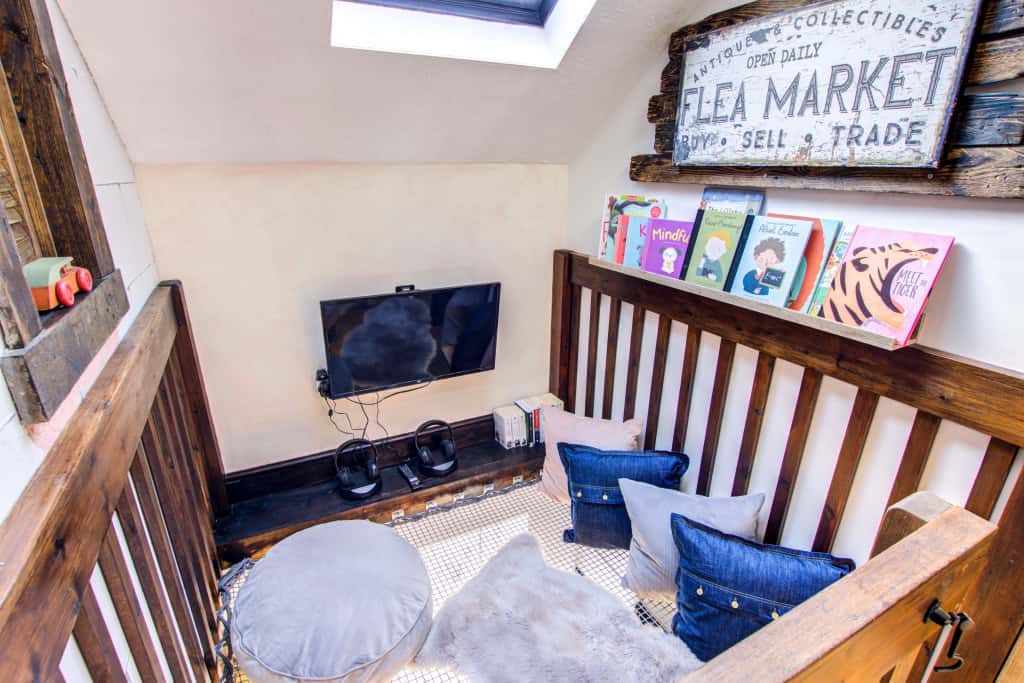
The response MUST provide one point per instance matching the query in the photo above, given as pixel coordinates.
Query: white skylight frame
(386, 29)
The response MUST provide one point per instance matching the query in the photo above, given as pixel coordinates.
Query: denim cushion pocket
(599, 517)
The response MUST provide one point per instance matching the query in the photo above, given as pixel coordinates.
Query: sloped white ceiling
(204, 81)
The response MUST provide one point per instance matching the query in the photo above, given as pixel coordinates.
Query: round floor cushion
(345, 601)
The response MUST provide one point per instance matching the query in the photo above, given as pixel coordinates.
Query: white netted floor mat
(456, 543)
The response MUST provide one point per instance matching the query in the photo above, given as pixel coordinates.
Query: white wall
(258, 247)
(970, 313)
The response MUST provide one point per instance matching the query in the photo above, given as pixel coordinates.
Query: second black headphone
(446, 461)
(357, 483)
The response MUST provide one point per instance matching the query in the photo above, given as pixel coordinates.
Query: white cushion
(653, 556)
(558, 426)
(344, 601)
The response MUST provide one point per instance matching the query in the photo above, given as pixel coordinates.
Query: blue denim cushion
(599, 516)
(729, 587)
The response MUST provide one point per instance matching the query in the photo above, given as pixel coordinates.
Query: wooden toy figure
(54, 281)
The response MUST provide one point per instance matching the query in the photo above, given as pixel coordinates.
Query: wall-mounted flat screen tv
(394, 340)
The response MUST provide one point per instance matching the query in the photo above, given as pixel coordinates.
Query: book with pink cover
(883, 282)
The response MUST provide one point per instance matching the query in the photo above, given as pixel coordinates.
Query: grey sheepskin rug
(520, 621)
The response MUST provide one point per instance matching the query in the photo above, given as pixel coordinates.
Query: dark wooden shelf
(255, 524)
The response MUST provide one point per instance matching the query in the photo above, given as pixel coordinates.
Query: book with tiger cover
(769, 263)
(815, 256)
(883, 282)
(631, 238)
(628, 205)
(666, 247)
(829, 272)
(718, 239)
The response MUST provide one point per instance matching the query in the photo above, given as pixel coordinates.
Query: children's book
(831, 267)
(718, 240)
(606, 217)
(666, 248)
(883, 282)
(629, 205)
(631, 238)
(732, 199)
(819, 246)
(769, 262)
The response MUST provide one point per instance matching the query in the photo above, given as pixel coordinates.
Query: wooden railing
(141, 445)
(938, 386)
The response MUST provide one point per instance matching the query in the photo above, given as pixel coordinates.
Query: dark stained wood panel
(967, 171)
(40, 92)
(856, 436)
(610, 357)
(561, 316)
(946, 386)
(657, 380)
(752, 428)
(19, 321)
(915, 457)
(803, 413)
(636, 342)
(686, 387)
(716, 412)
(995, 467)
(95, 643)
(592, 339)
(148, 571)
(1003, 16)
(129, 609)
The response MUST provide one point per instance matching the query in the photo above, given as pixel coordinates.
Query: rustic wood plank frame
(54, 197)
(940, 386)
(984, 156)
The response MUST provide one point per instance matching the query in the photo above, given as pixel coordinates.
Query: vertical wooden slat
(574, 348)
(686, 387)
(146, 567)
(129, 609)
(995, 467)
(19, 321)
(800, 427)
(595, 322)
(181, 588)
(857, 428)
(561, 315)
(657, 379)
(610, 356)
(167, 502)
(94, 641)
(187, 355)
(719, 393)
(997, 601)
(915, 457)
(752, 428)
(636, 343)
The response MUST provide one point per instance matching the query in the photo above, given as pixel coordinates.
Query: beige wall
(258, 247)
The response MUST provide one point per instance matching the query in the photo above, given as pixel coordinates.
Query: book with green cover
(721, 236)
(830, 269)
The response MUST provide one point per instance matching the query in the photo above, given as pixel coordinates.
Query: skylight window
(534, 33)
(529, 12)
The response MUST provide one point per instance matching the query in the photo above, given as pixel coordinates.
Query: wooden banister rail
(858, 627)
(52, 538)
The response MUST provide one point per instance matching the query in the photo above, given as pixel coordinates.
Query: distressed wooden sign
(846, 83)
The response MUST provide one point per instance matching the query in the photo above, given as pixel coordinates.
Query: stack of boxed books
(518, 424)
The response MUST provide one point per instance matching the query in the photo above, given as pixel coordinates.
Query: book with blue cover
(634, 229)
(770, 259)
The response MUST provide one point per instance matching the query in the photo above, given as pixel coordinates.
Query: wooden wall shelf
(877, 340)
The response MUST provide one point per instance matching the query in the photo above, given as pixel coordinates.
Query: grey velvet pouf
(344, 601)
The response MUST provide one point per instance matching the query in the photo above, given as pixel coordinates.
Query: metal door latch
(955, 623)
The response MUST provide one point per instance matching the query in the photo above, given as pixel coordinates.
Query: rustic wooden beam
(51, 539)
(41, 375)
(968, 172)
(36, 76)
(942, 384)
(19, 321)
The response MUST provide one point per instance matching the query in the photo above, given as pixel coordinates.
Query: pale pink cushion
(559, 426)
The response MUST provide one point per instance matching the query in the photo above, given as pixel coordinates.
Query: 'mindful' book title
(667, 246)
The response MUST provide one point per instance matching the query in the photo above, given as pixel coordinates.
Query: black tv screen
(393, 340)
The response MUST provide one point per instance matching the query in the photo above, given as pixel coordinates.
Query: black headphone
(351, 485)
(425, 456)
